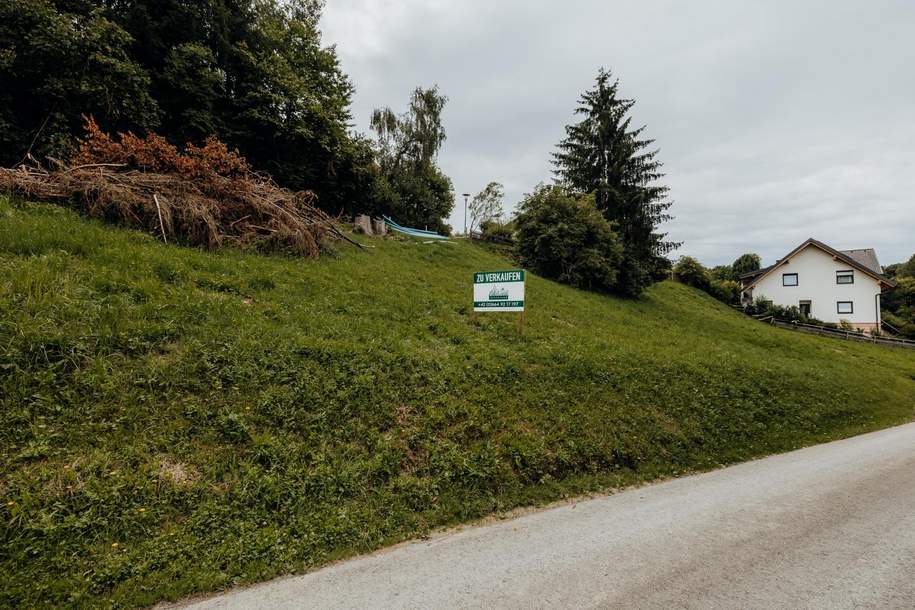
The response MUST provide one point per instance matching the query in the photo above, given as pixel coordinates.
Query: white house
(827, 284)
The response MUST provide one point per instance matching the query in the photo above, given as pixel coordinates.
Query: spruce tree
(604, 155)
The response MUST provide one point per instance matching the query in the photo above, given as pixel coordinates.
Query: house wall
(816, 272)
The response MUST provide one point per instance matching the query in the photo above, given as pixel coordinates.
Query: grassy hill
(175, 421)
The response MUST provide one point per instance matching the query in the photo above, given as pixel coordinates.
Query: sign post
(500, 291)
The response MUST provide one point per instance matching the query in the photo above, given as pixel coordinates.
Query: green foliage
(486, 206)
(498, 231)
(56, 66)
(792, 313)
(252, 72)
(726, 291)
(423, 198)
(564, 237)
(175, 421)
(419, 194)
(899, 304)
(690, 271)
(716, 282)
(722, 272)
(745, 264)
(904, 325)
(414, 137)
(907, 269)
(604, 155)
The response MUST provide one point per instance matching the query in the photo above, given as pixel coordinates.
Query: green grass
(223, 418)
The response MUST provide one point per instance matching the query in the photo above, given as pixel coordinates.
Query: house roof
(863, 259)
(752, 274)
(866, 257)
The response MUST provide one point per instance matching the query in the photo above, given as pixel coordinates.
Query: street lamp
(466, 195)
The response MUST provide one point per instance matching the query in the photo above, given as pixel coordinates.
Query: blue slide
(412, 232)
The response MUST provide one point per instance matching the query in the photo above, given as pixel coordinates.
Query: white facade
(810, 279)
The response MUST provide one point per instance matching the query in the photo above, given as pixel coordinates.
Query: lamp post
(466, 195)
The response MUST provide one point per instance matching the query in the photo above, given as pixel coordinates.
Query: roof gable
(864, 260)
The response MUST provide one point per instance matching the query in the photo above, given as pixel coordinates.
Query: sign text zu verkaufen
(498, 290)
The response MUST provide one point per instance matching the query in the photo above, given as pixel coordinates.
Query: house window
(789, 279)
(805, 307)
(845, 277)
(845, 307)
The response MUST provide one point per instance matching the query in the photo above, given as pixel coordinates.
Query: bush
(905, 327)
(497, 231)
(717, 282)
(726, 291)
(722, 272)
(899, 304)
(564, 237)
(763, 307)
(690, 271)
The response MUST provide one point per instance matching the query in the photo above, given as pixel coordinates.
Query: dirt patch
(176, 472)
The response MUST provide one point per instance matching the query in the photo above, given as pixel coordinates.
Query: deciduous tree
(407, 150)
(745, 264)
(486, 205)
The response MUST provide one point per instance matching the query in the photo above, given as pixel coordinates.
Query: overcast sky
(776, 120)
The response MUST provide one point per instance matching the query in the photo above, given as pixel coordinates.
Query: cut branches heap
(204, 196)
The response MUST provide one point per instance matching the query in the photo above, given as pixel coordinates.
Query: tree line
(256, 74)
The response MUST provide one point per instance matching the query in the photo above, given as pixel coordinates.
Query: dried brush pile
(205, 196)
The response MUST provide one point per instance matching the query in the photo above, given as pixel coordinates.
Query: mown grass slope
(175, 421)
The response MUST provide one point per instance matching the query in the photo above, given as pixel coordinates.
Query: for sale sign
(498, 290)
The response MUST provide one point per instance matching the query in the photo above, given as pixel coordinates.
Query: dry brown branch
(205, 196)
(161, 224)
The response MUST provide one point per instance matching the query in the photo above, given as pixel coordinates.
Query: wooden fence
(836, 333)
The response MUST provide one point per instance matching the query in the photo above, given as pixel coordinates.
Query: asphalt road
(831, 526)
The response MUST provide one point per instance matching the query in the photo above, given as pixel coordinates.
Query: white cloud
(776, 121)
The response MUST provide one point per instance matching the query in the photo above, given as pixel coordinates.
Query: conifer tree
(604, 155)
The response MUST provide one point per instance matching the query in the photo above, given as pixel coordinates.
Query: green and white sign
(498, 290)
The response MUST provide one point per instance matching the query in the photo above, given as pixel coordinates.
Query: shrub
(763, 307)
(497, 231)
(905, 327)
(564, 237)
(722, 272)
(717, 282)
(899, 304)
(690, 271)
(726, 291)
